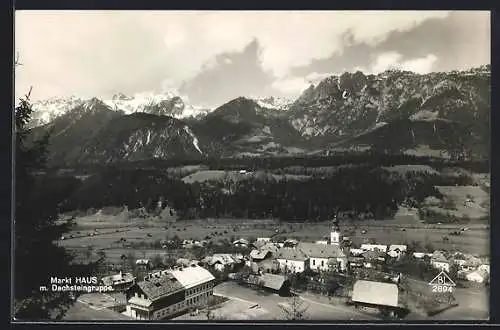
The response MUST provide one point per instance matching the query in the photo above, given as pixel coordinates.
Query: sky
(213, 57)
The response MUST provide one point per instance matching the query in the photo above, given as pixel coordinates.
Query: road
(270, 302)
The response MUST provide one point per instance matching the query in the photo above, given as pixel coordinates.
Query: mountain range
(435, 114)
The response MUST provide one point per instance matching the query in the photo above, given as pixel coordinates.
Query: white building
(169, 292)
(322, 257)
(374, 247)
(478, 276)
(321, 242)
(397, 251)
(292, 260)
(356, 252)
(439, 261)
(484, 267)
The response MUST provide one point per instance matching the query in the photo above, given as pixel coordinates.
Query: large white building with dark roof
(169, 292)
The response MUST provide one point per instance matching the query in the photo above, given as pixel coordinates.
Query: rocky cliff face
(343, 106)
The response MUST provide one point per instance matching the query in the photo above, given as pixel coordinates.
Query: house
(478, 276)
(290, 243)
(121, 281)
(145, 263)
(185, 262)
(484, 267)
(440, 261)
(241, 242)
(396, 251)
(376, 295)
(271, 283)
(264, 239)
(419, 255)
(321, 242)
(356, 252)
(292, 259)
(222, 261)
(372, 258)
(322, 257)
(259, 255)
(374, 247)
(355, 261)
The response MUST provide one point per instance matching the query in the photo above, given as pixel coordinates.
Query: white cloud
(315, 77)
(386, 61)
(92, 52)
(393, 60)
(291, 86)
(420, 65)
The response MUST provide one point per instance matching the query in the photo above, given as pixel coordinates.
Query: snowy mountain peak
(274, 103)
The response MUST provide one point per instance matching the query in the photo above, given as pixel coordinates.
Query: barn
(380, 296)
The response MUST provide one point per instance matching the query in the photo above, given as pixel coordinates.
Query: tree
(37, 257)
(296, 310)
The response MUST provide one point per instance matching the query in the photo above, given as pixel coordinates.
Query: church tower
(335, 237)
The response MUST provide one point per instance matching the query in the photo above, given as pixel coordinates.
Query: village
(268, 278)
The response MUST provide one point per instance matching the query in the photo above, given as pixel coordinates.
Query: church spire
(335, 233)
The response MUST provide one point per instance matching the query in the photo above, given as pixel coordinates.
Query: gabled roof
(192, 276)
(118, 279)
(240, 241)
(291, 254)
(371, 255)
(394, 247)
(157, 287)
(375, 293)
(439, 256)
(314, 250)
(273, 281)
(259, 254)
(222, 258)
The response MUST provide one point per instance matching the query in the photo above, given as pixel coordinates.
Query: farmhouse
(478, 276)
(372, 258)
(376, 295)
(322, 257)
(356, 252)
(221, 261)
(241, 242)
(168, 292)
(484, 267)
(374, 247)
(259, 255)
(143, 263)
(292, 259)
(290, 243)
(272, 283)
(119, 281)
(440, 261)
(397, 251)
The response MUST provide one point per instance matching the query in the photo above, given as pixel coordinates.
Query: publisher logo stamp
(442, 283)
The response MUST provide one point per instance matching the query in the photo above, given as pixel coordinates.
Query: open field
(402, 230)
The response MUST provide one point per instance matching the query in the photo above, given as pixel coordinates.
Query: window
(314, 262)
(322, 263)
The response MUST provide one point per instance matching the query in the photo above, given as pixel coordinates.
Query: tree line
(362, 192)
